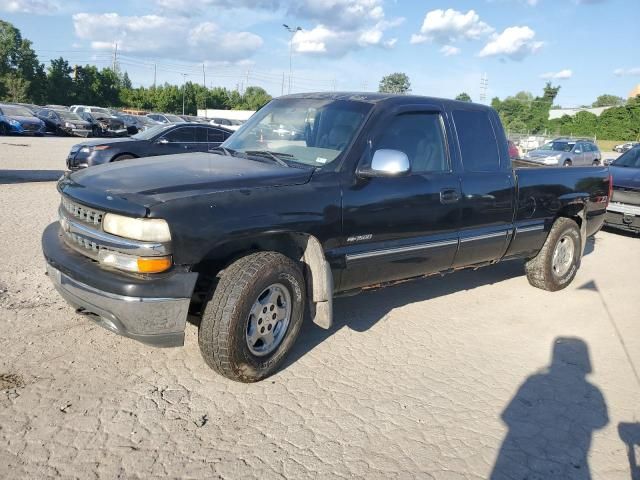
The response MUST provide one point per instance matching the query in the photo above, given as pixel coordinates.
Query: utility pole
(154, 75)
(282, 91)
(247, 79)
(484, 84)
(115, 57)
(204, 84)
(292, 31)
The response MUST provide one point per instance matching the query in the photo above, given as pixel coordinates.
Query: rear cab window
(477, 140)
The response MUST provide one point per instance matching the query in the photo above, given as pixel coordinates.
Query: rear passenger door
(487, 199)
(578, 155)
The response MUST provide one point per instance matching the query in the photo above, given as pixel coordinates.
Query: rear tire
(567, 163)
(596, 163)
(558, 260)
(229, 335)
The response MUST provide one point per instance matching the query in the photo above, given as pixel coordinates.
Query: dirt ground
(469, 376)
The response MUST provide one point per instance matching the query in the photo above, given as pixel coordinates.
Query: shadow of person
(551, 419)
(630, 435)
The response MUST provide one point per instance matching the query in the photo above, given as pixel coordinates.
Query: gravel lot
(447, 378)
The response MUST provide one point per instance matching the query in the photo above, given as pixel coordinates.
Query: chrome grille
(85, 214)
(83, 244)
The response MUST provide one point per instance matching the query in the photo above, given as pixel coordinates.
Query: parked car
(383, 188)
(104, 124)
(227, 123)
(514, 153)
(141, 122)
(624, 147)
(64, 122)
(623, 212)
(566, 153)
(29, 106)
(18, 120)
(158, 140)
(165, 118)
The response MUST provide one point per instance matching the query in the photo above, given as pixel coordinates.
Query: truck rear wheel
(558, 261)
(254, 316)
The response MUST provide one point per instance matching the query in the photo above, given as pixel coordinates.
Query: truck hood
(143, 182)
(625, 177)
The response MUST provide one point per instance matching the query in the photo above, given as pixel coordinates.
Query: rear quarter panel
(545, 193)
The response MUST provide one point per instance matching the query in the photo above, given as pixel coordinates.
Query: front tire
(254, 317)
(558, 260)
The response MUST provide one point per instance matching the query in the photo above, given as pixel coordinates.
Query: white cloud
(449, 50)
(449, 26)
(514, 42)
(37, 7)
(623, 72)
(561, 75)
(168, 37)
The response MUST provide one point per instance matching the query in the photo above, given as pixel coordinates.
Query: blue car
(16, 119)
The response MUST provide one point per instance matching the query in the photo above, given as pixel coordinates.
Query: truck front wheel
(558, 261)
(254, 316)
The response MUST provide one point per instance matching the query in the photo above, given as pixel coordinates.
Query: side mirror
(162, 141)
(387, 163)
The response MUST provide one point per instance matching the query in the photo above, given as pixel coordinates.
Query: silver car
(566, 153)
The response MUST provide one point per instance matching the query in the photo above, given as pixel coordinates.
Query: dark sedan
(64, 122)
(16, 119)
(157, 140)
(104, 124)
(623, 211)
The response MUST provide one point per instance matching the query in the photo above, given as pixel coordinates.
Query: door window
(420, 136)
(181, 135)
(201, 135)
(477, 140)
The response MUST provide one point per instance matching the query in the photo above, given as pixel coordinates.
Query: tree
(463, 97)
(395, 83)
(60, 87)
(607, 100)
(16, 88)
(255, 98)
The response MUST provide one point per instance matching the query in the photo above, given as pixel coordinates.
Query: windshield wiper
(227, 151)
(271, 155)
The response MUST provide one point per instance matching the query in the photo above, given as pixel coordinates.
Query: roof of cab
(375, 97)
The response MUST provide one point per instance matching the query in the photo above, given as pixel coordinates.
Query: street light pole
(293, 31)
(184, 87)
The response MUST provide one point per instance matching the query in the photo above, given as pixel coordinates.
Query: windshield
(15, 111)
(558, 146)
(65, 115)
(151, 132)
(629, 159)
(309, 131)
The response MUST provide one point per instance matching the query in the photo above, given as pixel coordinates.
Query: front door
(178, 140)
(404, 226)
(487, 188)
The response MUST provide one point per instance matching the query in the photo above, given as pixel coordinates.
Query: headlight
(144, 229)
(14, 123)
(69, 125)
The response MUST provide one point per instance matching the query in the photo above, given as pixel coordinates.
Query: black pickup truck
(375, 189)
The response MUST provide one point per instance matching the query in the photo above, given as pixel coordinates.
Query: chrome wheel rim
(563, 256)
(268, 320)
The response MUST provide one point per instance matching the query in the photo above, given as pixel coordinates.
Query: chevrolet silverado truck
(248, 239)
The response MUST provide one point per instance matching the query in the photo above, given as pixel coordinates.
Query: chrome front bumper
(155, 321)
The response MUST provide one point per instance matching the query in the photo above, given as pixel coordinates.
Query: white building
(228, 114)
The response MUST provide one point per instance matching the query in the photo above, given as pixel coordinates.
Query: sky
(588, 47)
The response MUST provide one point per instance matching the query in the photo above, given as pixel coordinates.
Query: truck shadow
(28, 176)
(363, 311)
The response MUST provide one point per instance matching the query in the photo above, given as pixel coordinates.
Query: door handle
(449, 195)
